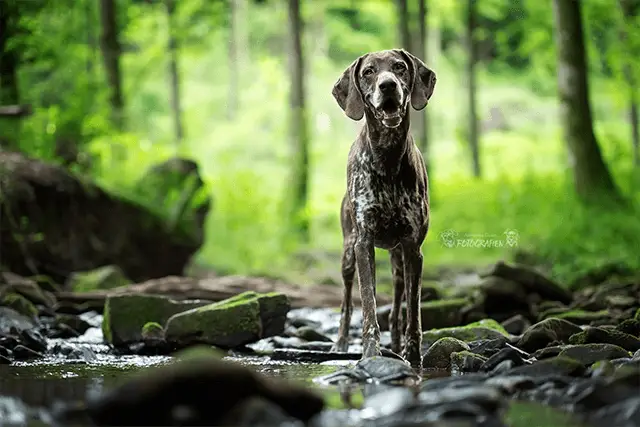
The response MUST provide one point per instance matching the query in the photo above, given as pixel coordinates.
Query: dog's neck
(388, 146)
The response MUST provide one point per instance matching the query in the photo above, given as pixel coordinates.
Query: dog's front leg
(413, 282)
(365, 261)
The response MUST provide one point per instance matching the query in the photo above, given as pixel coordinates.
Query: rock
(435, 314)
(243, 319)
(488, 348)
(106, 277)
(484, 329)
(508, 353)
(310, 334)
(502, 297)
(629, 326)
(587, 354)
(516, 325)
(311, 356)
(152, 331)
(466, 361)
(19, 304)
(581, 317)
(11, 319)
(533, 281)
(438, 356)
(126, 315)
(69, 325)
(28, 288)
(560, 365)
(545, 332)
(206, 388)
(21, 352)
(593, 335)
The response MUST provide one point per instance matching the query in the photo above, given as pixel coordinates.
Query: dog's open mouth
(390, 112)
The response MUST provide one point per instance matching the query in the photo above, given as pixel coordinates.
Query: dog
(386, 204)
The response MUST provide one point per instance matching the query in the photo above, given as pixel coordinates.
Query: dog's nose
(387, 85)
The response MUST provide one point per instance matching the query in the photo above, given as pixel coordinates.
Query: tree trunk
(9, 91)
(174, 76)
(591, 175)
(111, 51)
(403, 24)
(421, 51)
(298, 124)
(630, 10)
(472, 115)
(238, 48)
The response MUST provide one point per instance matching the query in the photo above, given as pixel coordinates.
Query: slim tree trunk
(630, 10)
(238, 48)
(174, 75)
(591, 175)
(403, 24)
(9, 91)
(111, 51)
(421, 51)
(298, 123)
(473, 132)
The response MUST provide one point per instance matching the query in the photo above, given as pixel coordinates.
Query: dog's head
(384, 83)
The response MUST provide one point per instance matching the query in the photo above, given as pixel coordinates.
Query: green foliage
(246, 162)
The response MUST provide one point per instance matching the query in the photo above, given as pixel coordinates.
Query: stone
(560, 365)
(593, 335)
(581, 317)
(483, 329)
(19, 304)
(438, 356)
(236, 321)
(126, 315)
(516, 325)
(545, 332)
(11, 319)
(106, 277)
(466, 361)
(587, 354)
(435, 314)
(152, 331)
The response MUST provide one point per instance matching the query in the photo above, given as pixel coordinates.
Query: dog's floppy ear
(347, 93)
(424, 81)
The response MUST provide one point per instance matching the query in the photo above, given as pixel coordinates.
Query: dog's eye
(367, 71)
(399, 66)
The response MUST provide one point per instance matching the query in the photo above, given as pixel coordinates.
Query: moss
(581, 316)
(605, 336)
(483, 329)
(106, 277)
(438, 356)
(637, 316)
(20, 304)
(197, 352)
(588, 354)
(466, 361)
(152, 330)
(630, 326)
(350, 399)
(442, 313)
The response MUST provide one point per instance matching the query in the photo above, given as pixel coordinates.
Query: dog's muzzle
(388, 100)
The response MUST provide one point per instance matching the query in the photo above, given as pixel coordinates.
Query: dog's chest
(391, 207)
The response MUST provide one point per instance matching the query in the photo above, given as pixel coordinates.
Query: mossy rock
(559, 365)
(592, 335)
(480, 330)
(438, 356)
(126, 315)
(466, 361)
(198, 352)
(582, 317)
(239, 320)
(152, 331)
(588, 354)
(443, 313)
(106, 277)
(543, 333)
(629, 326)
(20, 304)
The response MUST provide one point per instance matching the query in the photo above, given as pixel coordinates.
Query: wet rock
(236, 321)
(438, 356)
(74, 352)
(68, 326)
(502, 297)
(21, 352)
(629, 326)
(593, 335)
(387, 402)
(152, 331)
(202, 390)
(560, 365)
(257, 412)
(588, 354)
(516, 325)
(508, 353)
(547, 352)
(311, 334)
(28, 288)
(19, 303)
(435, 314)
(376, 370)
(106, 277)
(484, 329)
(126, 315)
(533, 281)
(545, 332)
(466, 361)
(488, 348)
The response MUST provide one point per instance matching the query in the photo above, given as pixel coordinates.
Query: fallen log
(54, 223)
(216, 289)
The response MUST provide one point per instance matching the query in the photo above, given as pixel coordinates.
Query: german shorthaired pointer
(386, 204)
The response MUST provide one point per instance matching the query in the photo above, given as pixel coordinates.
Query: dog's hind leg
(395, 317)
(348, 274)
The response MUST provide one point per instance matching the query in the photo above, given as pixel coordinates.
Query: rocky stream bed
(512, 348)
